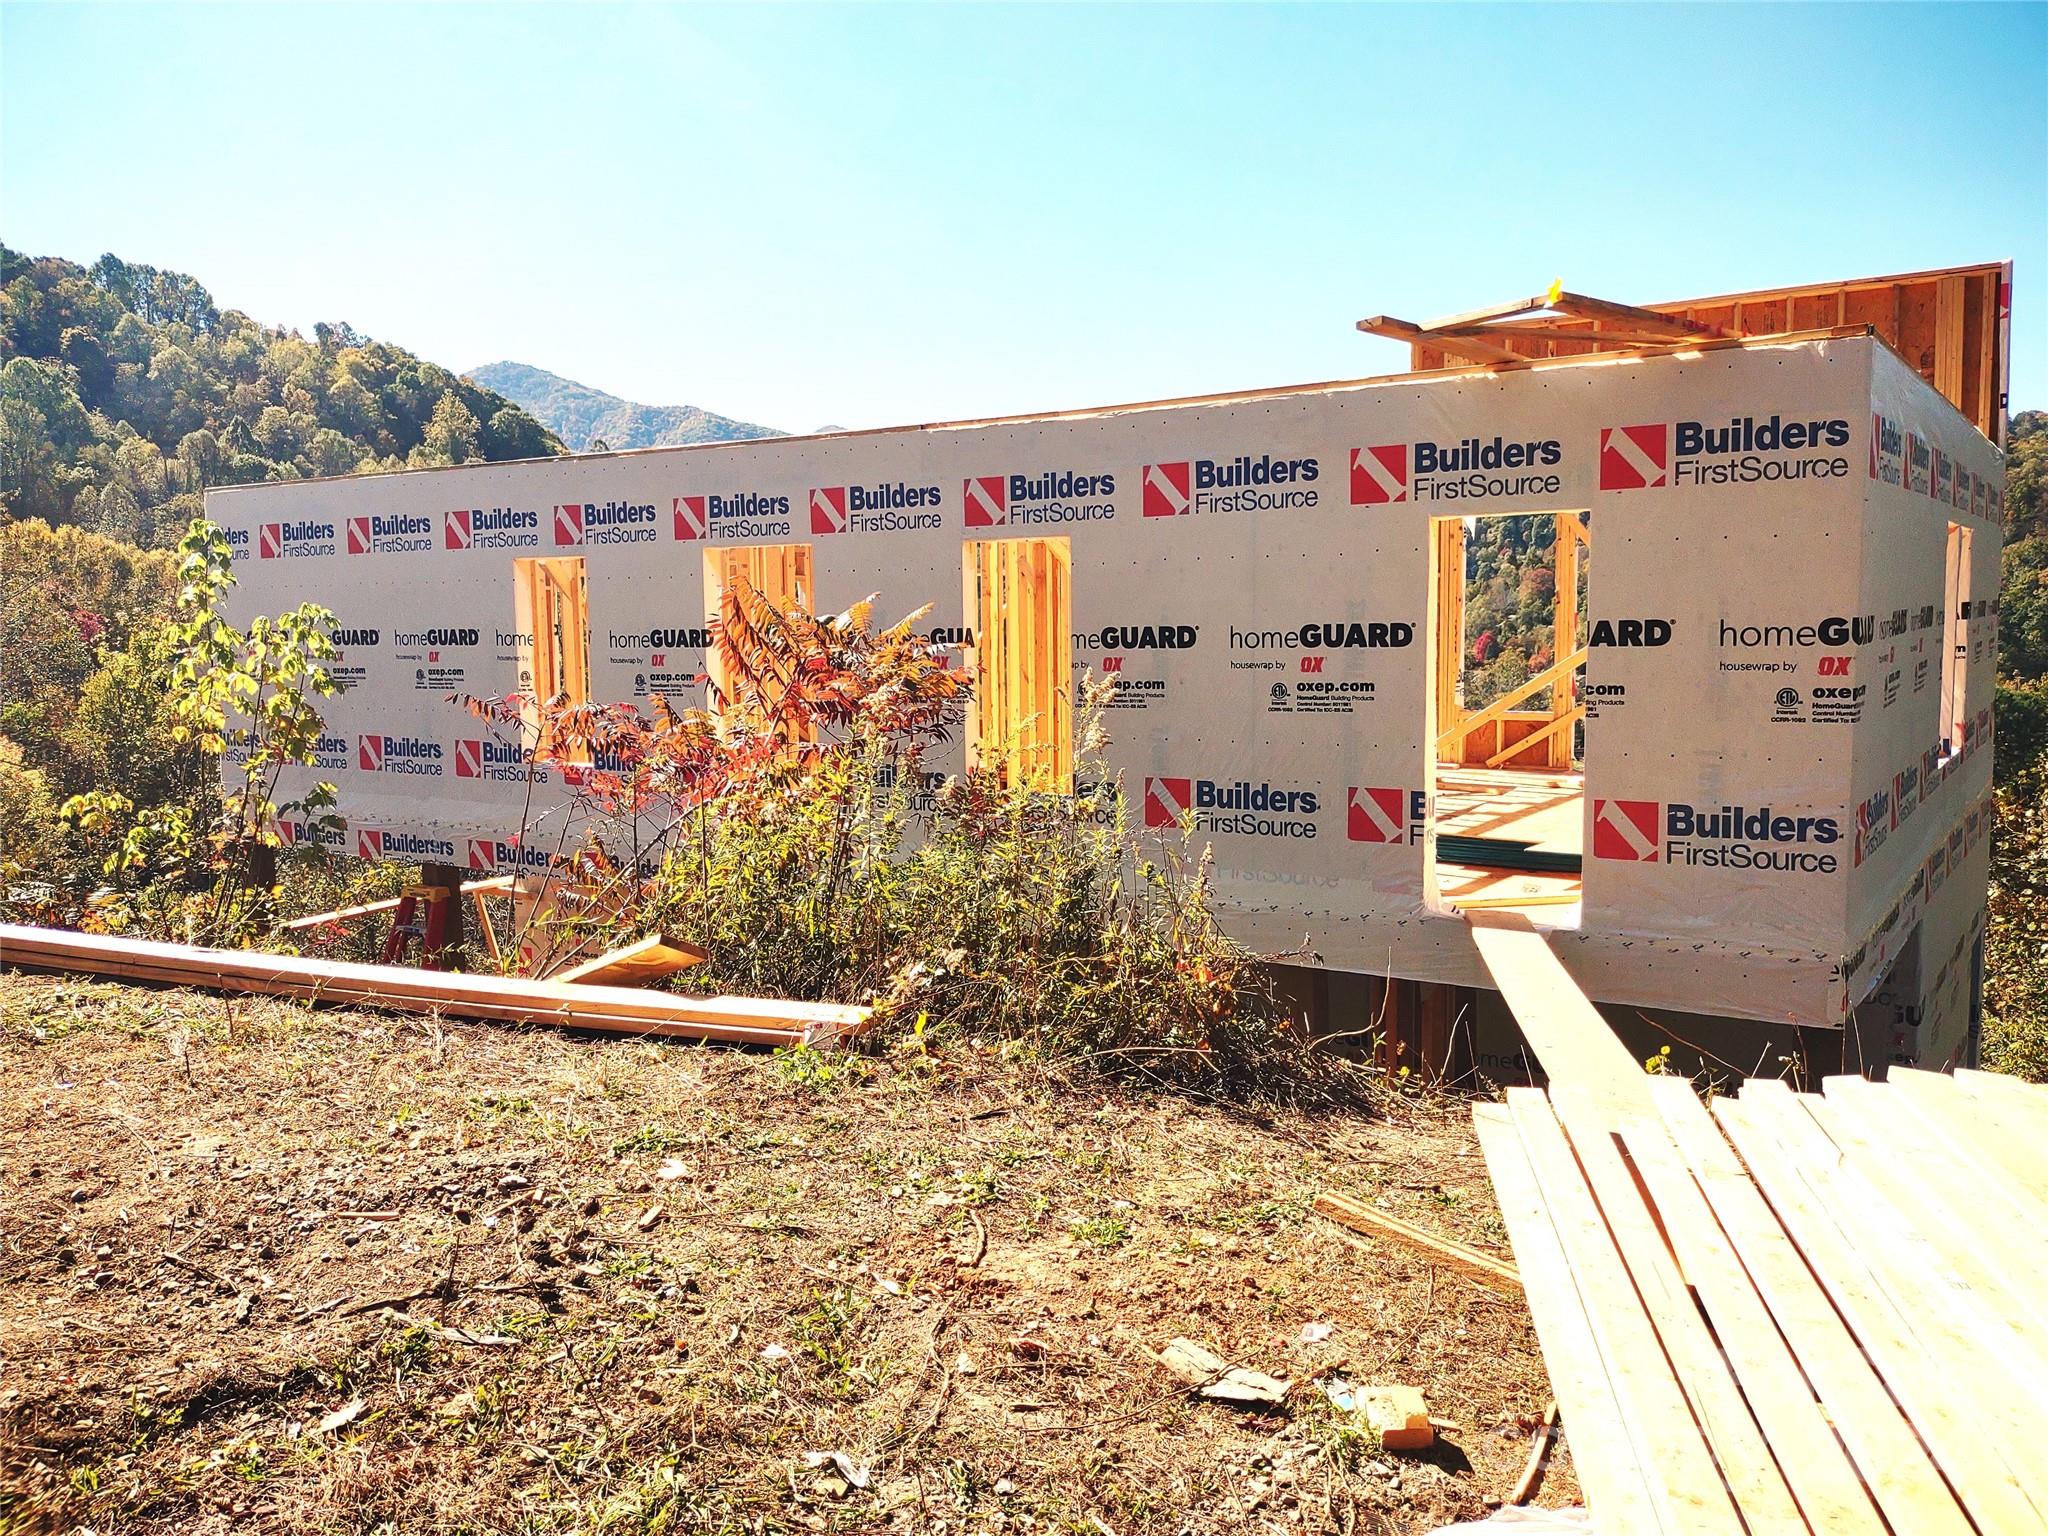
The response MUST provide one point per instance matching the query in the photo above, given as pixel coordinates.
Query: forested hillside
(125, 391)
(587, 418)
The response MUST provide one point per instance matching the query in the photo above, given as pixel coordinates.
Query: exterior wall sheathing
(1255, 572)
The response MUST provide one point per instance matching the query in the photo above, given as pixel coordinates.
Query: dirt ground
(264, 1268)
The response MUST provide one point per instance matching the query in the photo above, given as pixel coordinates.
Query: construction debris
(1213, 1376)
(1482, 1267)
(734, 1020)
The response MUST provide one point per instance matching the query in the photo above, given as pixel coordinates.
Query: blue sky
(858, 216)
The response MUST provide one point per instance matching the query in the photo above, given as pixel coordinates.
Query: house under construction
(1743, 786)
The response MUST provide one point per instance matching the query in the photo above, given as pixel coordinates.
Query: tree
(451, 435)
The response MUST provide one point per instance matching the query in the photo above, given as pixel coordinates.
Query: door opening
(1507, 718)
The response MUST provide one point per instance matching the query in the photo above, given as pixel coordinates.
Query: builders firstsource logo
(401, 534)
(1247, 483)
(489, 854)
(238, 543)
(328, 833)
(1468, 469)
(1240, 808)
(729, 515)
(294, 541)
(490, 528)
(892, 506)
(494, 761)
(1050, 496)
(374, 844)
(1383, 815)
(1714, 837)
(399, 754)
(1887, 450)
(1745, 451)
(581, 523)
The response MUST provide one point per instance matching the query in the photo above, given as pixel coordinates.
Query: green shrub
(801, 844)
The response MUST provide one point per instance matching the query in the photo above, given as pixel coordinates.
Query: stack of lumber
(1784, 1311)
(1791, 1311)
(511, 999)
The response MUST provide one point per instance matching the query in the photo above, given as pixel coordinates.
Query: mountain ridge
(583, 416)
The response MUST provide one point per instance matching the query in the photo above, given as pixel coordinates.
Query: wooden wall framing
(551, 612)
(1020, 595)
(1951, 325)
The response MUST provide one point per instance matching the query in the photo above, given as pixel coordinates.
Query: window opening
(1019, 593)
(551, 599)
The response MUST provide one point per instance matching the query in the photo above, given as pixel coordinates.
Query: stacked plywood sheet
(513, 999)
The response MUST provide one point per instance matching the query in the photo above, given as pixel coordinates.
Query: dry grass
(950, 1269)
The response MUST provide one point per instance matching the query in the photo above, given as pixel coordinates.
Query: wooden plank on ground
(1685, 1484)
(2021, 1109)
(1970, 1445)
(508, 998)
(1703, 1371)
(1483, 1267)
(1887, 1453)
(1943, 1103)
(1831, 1494)
(1608, 1468)
(1572, 1042)
(636, 964)
(1969, 1359)
(1985, 1235)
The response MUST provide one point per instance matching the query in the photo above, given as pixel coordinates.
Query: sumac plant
(795, 834)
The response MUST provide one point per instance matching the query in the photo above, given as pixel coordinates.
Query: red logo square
(469, 759)
(987, 499)
(691, 522)
(1167, 801)
(369, 844)
(1379, 475)
(455, 529)
(1635, 458)
(1375, 815)
(480, 854)
(370, 753)
(359, 535)
(569, 524)
(828, 509)
(270, 541)
(1629, 830)
(1166, 489)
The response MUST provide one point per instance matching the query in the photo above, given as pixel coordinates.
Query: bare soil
(265, 1268)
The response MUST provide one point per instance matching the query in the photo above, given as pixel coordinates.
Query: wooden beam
(1572, 1042)
(512, 999)
(1464, 346)
(636, 964)
(1586, 308)
(1467, 1261)
(1562, 668)
(1491, 314)
(340, 915)
(1566, 330)
(1536, 737)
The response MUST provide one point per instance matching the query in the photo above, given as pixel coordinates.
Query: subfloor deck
(1510, 839)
